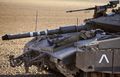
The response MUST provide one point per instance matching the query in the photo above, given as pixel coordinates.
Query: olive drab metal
(89, 50)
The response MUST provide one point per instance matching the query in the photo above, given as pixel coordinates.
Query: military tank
(88, 50)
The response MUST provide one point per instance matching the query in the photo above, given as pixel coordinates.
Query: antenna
(77, 22)
(77, 32)
(36, 21)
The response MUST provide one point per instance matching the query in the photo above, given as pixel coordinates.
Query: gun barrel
(60, 30)
(92, 8)
(22, 35)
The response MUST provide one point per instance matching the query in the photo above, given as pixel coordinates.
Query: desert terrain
(19, 16)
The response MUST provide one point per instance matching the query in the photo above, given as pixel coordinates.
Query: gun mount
(88, 50)
(99, 10)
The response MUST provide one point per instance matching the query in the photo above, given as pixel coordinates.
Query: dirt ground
(18, 16)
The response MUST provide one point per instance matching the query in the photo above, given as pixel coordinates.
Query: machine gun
(99, 10)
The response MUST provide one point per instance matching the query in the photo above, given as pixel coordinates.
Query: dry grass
(19, 16)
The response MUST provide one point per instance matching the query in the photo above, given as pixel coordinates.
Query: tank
(89, 50)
